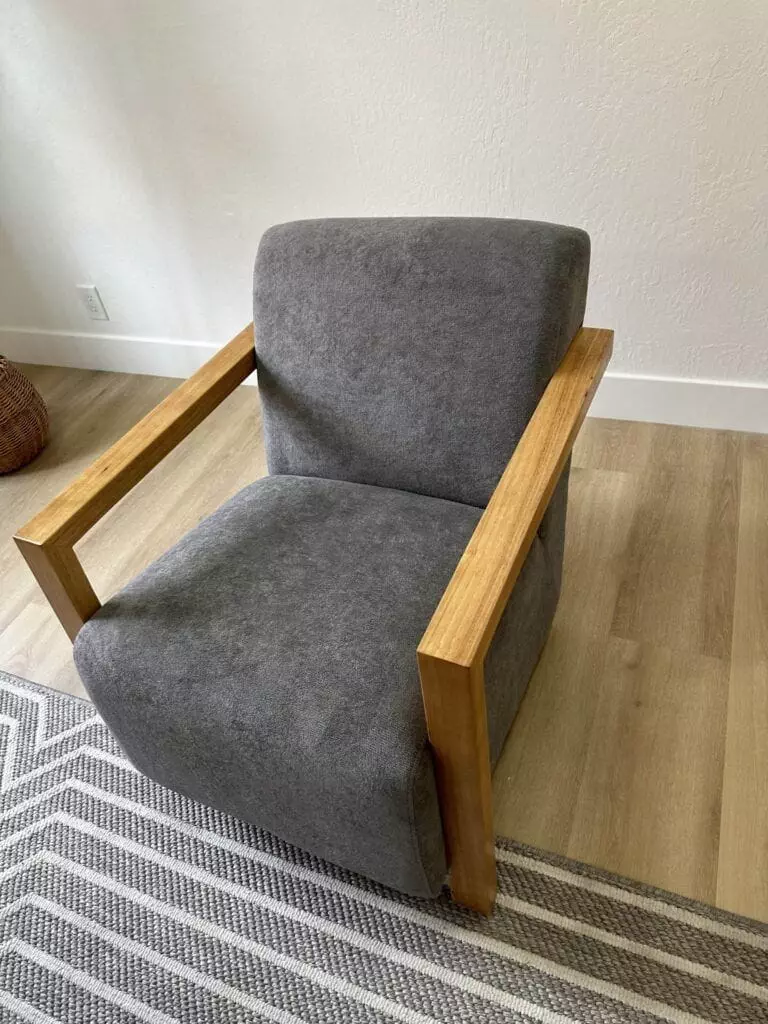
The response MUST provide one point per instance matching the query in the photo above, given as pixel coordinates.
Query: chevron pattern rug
(122, 901)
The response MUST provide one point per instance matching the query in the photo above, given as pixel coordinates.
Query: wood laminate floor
(642, 744)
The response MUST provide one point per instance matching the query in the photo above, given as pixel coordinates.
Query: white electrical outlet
(89, 296)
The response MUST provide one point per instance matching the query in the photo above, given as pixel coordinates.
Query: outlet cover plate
(90, 298)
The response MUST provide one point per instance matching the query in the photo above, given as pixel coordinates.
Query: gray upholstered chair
(422, 382)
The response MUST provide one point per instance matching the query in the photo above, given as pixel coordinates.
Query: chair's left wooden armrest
(47, 541)
(452, 651)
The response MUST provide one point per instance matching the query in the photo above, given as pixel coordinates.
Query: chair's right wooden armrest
(465, 620)
(452, 651)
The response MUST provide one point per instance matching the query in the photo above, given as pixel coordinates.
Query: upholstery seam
(412, 811)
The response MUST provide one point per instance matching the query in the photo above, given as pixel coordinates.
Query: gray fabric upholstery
(266, 666)
(411, 352)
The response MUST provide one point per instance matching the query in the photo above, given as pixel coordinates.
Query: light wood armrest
(465, 620)
(47, 541)
(452, 651)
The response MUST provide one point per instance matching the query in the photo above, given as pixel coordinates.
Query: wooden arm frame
(452, 651)
(47, 541)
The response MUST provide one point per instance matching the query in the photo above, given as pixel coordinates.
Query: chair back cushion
(411, 352)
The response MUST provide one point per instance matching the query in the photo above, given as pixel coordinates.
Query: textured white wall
(147, 144)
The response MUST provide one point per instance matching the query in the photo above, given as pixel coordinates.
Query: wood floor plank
(624, 446)
(649, 799)
(537, 779)
(720, 546)
(743, 877)
(34, 646)
(677, 589)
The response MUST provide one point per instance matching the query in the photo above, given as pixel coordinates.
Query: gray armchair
(422, 381)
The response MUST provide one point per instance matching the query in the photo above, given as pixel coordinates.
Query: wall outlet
(90, 298)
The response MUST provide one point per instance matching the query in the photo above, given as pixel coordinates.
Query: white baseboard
(160, 357)
(688, 402)
(723, 405)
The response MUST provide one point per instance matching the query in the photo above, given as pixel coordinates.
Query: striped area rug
(122, 901)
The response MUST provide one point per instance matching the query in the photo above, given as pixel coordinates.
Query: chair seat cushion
(266, 665)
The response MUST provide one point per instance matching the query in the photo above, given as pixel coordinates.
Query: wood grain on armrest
(47, 540)
(465, 620)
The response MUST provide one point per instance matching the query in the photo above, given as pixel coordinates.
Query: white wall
(146, 144)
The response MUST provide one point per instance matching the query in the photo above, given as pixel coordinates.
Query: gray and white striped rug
(122, 901)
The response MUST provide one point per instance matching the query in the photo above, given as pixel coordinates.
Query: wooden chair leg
(454, 702)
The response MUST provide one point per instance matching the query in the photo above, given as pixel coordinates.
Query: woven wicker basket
(23, 419)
